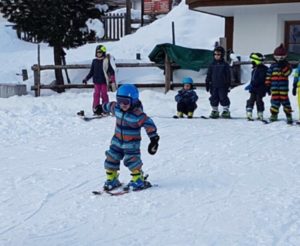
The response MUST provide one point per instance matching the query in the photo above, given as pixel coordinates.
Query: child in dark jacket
(186, 99)
(218, 81)
(126, 141)
(277, 81)
(103, 76)
(257, 86)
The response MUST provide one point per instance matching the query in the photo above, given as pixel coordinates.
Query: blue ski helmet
(129, 91)
(187, 80)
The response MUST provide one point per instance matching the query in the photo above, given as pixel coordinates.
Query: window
(292, 36)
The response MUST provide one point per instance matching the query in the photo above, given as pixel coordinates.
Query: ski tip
(80, 113)
(97, 192)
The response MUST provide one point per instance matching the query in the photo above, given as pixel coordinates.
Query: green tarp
(186, 58)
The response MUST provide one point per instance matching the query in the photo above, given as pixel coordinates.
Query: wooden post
(37, 80)
(223, 43)
(142, 12)
(173, 32)
(37, 75)
(128, 17)
(167, 73)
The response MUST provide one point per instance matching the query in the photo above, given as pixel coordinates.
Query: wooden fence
(38, 86)
(114, 29)
(114, 26)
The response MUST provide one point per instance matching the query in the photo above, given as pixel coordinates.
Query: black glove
(294, 90)
(268, 90)
(153, 145)
(98, 109)
(84, 81)
(207, 86)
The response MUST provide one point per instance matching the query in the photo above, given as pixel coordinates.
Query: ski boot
(179, 115)
(260, 115)
(226, 114)
(138, 181)
(98, 110)
(214, 114)
(190, 115)
(112, 181)
(249, 115)
(289, 119)
(273, 117)
(80, 113)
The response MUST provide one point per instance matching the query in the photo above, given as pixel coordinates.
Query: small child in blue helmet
(186, 99)
(125, 144)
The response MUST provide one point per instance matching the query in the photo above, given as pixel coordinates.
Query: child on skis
(296, 86)
(217, 83)
(186, 99)
(257, 86)
(125, 143)
(103, 76)
(277, 81)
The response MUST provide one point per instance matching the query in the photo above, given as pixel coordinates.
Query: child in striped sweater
(277, 82)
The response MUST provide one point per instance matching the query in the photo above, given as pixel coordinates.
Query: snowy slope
(220, 182)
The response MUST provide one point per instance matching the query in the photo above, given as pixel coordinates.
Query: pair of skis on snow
(82, 115)
(236, 118)
(230, 118)
(249, 119)
(122, 190)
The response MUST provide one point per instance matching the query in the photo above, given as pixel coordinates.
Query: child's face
(187, 86)
(124, 103)
(99, 54)
(124, 107)
(217, 55)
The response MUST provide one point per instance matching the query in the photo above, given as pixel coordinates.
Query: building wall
(260, 30)
(257, 34)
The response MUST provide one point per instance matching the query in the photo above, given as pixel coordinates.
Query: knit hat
(280, 51)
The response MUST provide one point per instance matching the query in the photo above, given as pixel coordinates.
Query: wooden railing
(38, 86)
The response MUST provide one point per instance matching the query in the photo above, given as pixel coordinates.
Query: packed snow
(220, 182)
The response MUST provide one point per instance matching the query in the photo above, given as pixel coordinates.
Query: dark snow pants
(219, 96)
(186, 107)
(258, 99)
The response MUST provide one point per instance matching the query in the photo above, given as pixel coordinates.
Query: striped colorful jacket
(277, 79)
(129, 124)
